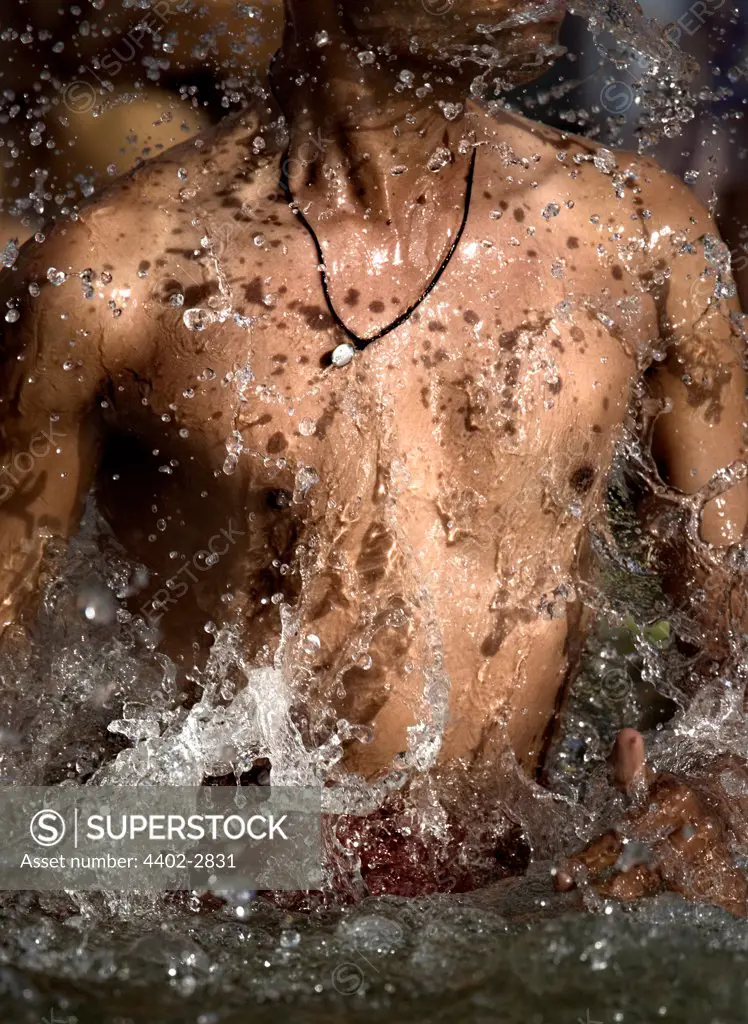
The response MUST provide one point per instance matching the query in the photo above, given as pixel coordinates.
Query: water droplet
(605, 161)
(234, 447)
(56, 277)
(451, 110)
(439, 159)
(306, 478)
(9, 253)
(96, 603)
(197, 319)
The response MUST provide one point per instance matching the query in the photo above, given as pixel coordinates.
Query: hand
(676, 838)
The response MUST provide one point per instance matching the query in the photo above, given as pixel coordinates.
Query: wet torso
(415, 518)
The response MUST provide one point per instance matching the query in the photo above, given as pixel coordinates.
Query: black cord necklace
(343, 354)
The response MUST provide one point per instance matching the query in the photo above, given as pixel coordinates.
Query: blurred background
(89, 89)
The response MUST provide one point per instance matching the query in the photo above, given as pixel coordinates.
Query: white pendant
(343, 354)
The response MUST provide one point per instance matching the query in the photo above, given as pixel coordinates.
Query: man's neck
(363, 129)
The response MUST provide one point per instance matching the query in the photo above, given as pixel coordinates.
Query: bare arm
(689, 827)
(50, 373)
(699, 442)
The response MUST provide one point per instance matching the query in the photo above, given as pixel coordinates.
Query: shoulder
(620, 178)
(669, 206)
(159, 232)
(50, 329)
(690, 263)
(651, 216)
(196, 178)
(102, 283)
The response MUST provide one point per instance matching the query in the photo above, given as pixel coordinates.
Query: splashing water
(96, 692)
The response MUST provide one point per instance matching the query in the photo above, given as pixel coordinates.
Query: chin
(446, 16)
(519, 37)
(527, 10)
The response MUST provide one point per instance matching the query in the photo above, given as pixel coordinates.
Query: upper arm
(702, 378)
(50, 373)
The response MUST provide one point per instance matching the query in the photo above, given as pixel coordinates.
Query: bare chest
(512, 357)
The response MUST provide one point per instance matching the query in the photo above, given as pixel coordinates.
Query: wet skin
(684, 834)
(421, 511)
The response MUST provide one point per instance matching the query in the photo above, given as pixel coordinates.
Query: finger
(628, 760)
(632, 884)
(706, 873)
(621, 879)
(672, 804)
(563, 880)
(598, 857)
